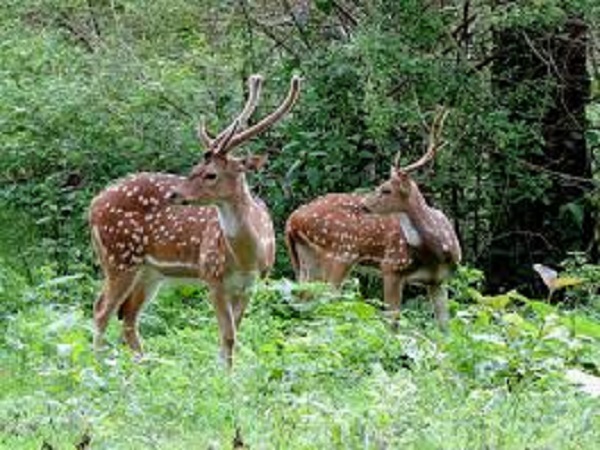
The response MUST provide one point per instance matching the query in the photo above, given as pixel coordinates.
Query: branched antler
(254, 88)
(231, 137)
(434, 144)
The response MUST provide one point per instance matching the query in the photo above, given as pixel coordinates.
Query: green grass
(324, 374)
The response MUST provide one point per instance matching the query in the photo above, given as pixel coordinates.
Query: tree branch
(301, 30)
(65, 22)
(278, 41)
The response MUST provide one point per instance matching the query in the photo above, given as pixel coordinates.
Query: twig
(280, 43)
(562, 175)
(249, 34)
(64, 21)
(298, 25)
(548, 62)
(344, 12)
(465, 24)
(95, 25)
(174, 105)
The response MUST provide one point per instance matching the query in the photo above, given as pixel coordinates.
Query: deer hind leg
(309, 266)
(115, 291)
(129, 311)
(335, 271)
(438, 294)
(393, 289)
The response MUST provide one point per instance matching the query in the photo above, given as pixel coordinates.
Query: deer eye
(385, 191)
(210, 176)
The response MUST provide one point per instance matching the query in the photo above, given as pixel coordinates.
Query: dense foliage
(95, 90)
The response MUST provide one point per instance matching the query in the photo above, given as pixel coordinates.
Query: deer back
(134, 223)
(338, 227)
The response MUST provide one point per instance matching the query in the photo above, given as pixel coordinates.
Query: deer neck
(237, 218)
(419, 224)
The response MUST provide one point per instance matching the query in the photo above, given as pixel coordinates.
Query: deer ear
(254, 162)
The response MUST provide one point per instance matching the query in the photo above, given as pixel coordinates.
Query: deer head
(399, 193)
(220, 177)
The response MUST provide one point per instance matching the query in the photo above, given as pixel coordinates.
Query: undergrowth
(325, 373)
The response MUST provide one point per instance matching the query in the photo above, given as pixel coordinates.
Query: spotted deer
(392, 228)
(152, 227)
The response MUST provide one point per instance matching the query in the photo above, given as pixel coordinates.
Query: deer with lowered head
(208, 226)
(392, 228)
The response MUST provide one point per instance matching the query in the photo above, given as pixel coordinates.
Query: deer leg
(226, 320)
(309, 267)
(114, 293)
(393, 288)
(336, 271)
(438, 294)
(130, 310)
(239, 307)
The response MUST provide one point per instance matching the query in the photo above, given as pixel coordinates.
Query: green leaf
(582, 326)
(542, 309)
(496, 302)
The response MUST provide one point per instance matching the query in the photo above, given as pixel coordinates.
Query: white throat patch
(228, 220)
(410, 232)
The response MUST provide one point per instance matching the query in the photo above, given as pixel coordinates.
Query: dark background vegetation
(92, 90)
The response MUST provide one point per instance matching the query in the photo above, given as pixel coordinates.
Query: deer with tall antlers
(392, 228)
(152, 227)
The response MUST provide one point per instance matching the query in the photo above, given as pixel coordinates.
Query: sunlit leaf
(553, 281)
(541, 308)
(562, 282)
(587, 383)
(496, 302)
(583, 326)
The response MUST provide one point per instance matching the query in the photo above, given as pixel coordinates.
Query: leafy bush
(314, 374)
(12, 288)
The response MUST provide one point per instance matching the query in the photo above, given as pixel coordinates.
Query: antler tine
(266, 122)
(396, 163)
(434, 145)
(254, 88)
(203, 135)
(226, 138)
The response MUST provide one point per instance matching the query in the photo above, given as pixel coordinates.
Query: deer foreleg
(393, 289)
(239, 307)
(309, 267)
(438, 294)
(226, 320)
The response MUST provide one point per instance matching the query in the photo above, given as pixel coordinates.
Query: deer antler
(225, 139)
(254, 88)
(266, 122)
(434, 144)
